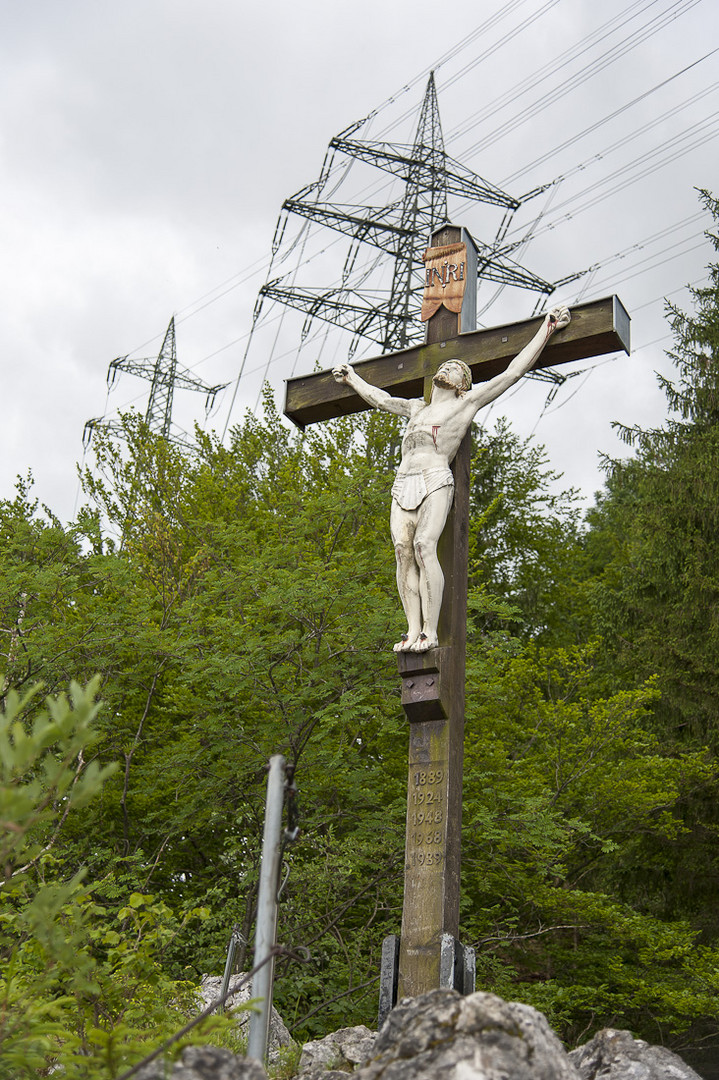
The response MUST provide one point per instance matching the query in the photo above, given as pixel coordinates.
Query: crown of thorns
(466, 373)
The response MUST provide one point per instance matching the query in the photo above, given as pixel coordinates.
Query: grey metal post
(266, 925)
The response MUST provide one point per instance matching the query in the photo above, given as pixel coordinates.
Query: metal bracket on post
(457, 965)
(389, 977)
(424, 695)
(457, 971)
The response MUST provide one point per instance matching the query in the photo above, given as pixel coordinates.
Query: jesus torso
(434, 432)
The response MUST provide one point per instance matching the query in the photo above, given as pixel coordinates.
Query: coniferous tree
(653, 542)
(653, 575)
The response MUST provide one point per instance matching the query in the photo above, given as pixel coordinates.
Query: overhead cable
(518, 119)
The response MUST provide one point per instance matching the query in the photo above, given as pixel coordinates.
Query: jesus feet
(424, 643)
(416, 642)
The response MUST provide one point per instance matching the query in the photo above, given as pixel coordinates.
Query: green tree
(566, 792)
(239, 601)
(263, 609)
(524, 535)
(652, 544)
(651, 567)
(82, 988)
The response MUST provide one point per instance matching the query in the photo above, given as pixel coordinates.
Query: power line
(337, 170)
(606, 120)
(164, 375)
(532, 81)
(463, 43)
(649, 29)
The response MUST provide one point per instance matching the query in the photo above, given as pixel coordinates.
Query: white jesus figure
(424, 487)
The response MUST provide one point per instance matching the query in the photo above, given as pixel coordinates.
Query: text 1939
(426, 858)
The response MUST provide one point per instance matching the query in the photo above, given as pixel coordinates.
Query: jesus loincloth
(409, 490)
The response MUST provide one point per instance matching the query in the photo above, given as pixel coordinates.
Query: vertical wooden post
(436, 736)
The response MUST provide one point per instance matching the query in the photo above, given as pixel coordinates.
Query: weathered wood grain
(599, 327)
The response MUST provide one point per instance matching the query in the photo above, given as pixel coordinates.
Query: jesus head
(454, 375)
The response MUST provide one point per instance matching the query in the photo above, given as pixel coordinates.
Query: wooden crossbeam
(599, 327)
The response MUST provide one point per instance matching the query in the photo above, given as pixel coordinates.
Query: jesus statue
(423, 489)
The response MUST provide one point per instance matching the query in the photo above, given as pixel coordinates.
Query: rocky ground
(443, 1035)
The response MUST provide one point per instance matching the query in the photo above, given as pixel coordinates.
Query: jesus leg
(432, 517)
(402, 526)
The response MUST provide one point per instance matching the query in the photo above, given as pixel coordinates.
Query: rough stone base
(617, 1055)
(204, 1063)
(480, 1037)
(445, 1036)
(337, 1054)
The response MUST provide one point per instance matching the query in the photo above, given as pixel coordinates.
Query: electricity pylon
(165, 376)
(400, 230)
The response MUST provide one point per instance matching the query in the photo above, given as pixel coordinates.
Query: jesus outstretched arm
(373, 395)
(483, 393)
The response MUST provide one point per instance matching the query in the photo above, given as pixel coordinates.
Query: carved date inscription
(426, 817)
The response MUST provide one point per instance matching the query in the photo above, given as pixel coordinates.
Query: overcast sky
(147, 147)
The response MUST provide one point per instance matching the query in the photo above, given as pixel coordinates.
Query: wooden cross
(427, 954)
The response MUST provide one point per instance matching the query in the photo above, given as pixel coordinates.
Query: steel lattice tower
(164, 375)
(423, 207)
(400, 230)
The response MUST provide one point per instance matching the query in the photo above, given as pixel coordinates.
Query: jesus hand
(342, 373)
(558, 318)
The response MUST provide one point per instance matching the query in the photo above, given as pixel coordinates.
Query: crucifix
(432, 386)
